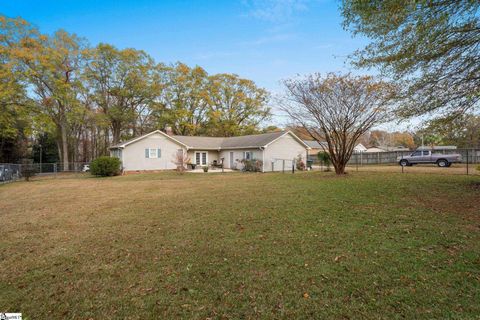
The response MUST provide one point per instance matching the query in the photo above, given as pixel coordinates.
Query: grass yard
(240, 246)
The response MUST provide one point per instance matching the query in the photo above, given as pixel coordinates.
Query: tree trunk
(116, 130)
(339, 167)
(64, 156)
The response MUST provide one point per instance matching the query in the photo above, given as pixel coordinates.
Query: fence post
(283, 168)
(467, 162)
(273, 164)
(293, 166)
(55, 169)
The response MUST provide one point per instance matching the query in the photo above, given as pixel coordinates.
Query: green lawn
(239, 246)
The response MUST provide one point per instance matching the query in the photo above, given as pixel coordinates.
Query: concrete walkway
(210, 170)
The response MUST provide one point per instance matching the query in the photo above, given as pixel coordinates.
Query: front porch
(210, 170)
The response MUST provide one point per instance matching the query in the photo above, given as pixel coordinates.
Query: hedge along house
(158, 151)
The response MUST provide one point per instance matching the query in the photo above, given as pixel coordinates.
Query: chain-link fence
(280, 165)
(10, 172)
(389, 162)
(471, 156)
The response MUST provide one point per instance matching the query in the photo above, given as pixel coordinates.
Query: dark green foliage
(324, 158)
(48, 148)
(105, 166)
(430, 47)
(28, 169)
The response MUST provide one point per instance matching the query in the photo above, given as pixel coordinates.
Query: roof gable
(126, 143)
(218, 143)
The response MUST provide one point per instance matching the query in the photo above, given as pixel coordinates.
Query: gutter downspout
(263, 159)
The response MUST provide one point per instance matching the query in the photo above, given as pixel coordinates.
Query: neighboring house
(374, 150)
(157, 150)
(359, 148)
(387, 149)
(315, 148)
(437, 148)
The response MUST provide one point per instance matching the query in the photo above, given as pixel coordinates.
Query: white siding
(238, 155)
(285, 148)
(133, 156)
(212, 155)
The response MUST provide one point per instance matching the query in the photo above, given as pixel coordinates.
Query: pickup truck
(426, 156)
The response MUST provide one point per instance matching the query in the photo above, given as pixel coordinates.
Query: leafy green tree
(237, 106)
(50, 67)
(462, 131)
(431, 47)
(123, 86)
(14, 103)
(184, 102)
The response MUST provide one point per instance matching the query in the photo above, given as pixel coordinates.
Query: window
(426, 153)
(248, 155)
(201, 158)
(153, 153)
(117, 153)
(417, 154)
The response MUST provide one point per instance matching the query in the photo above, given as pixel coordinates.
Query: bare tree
(337, 109)
(181, 160)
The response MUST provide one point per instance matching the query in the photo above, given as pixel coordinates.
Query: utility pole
(40, 157)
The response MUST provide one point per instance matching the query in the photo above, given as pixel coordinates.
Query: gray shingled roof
(255, 140)
(216, 143)
(200, 142)
(315, 145)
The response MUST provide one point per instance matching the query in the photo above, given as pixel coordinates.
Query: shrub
(205, 169)
(324, 158)
(478, 168)
(299, 163)
(105, 166)
(252, 165)
(27, 169)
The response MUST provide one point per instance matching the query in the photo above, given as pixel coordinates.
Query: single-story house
(436, 148)
(316, 147)
(158, 151)
(375, 150)
(359, 148)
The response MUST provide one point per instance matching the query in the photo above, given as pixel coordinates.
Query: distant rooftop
(437, 148)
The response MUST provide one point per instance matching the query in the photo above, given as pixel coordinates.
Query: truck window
(417, 154)
(426, 153)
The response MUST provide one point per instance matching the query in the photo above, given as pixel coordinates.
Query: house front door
(201, 158)
(231, 160)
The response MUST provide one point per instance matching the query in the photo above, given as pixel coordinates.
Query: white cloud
(275, 10)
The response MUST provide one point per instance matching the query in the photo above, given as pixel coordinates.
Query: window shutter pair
(147, 153)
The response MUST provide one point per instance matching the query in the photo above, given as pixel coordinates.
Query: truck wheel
(404, 163)
(443, 163)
